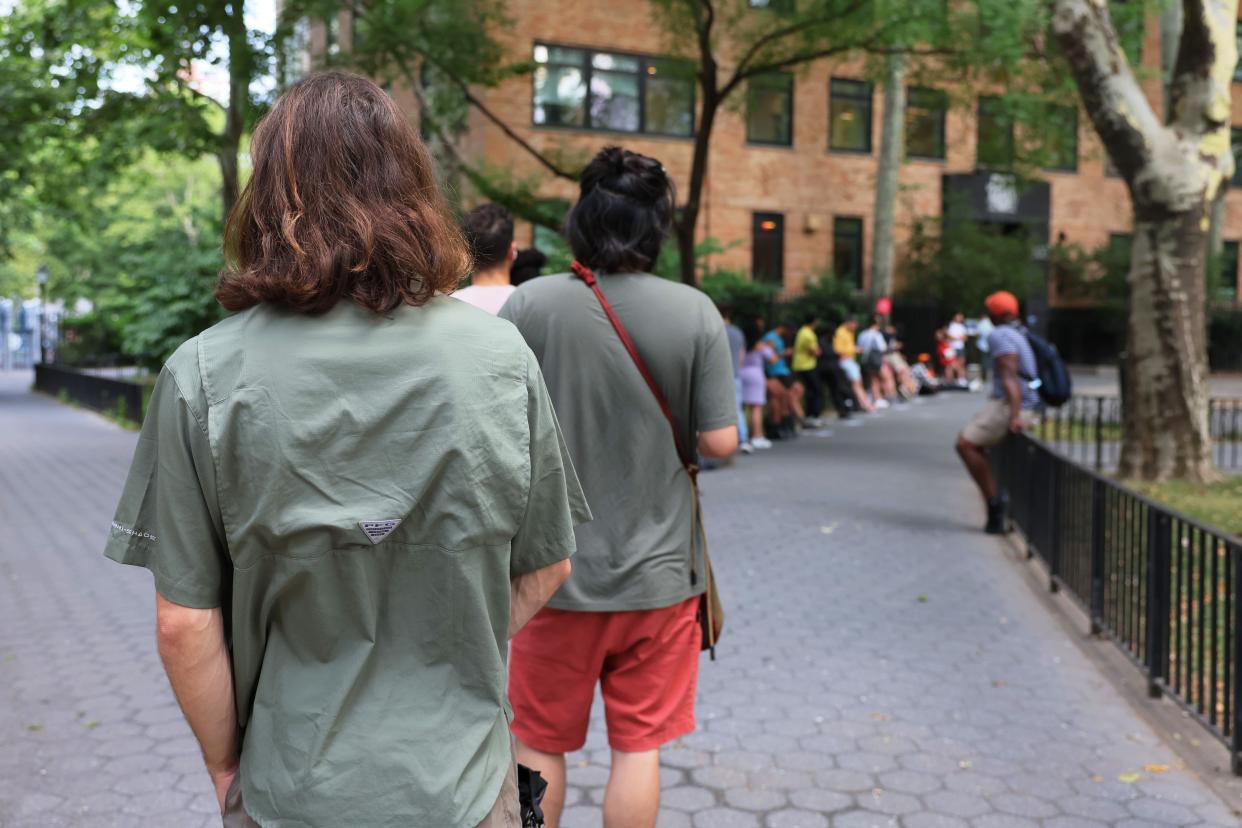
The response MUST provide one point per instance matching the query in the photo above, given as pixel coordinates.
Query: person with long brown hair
(351, 493)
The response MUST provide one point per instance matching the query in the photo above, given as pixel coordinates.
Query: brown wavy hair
(342, 204)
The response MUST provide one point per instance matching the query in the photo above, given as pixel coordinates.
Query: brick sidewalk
(884, 664)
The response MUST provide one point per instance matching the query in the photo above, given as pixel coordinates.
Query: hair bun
(627, 174)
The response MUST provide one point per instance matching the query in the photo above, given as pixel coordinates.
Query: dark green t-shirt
(356, 491)
(636, 553)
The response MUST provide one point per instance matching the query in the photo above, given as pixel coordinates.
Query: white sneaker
(761, 443)
(881, 405)
(746, 448)
(813, 422)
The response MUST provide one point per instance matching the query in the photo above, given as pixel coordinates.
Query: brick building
(791, 177)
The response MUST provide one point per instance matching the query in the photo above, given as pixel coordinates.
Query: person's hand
(223, 780)
(1015, 424)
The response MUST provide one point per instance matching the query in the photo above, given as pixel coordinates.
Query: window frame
(858, 98)
(588, 69)
(1237, 70)
(1230, 287)
(998, 101)
(860, 222)
(1073, 110)
(941, 120)
(1235, 146)
(789, 98)
(756, 219)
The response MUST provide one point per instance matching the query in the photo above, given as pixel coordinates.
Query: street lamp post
(41, 278)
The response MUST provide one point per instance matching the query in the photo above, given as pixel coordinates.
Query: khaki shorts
(991, 424)
(507, 813)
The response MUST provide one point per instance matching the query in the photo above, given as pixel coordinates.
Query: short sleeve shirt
(356, 492)
(843, 343)
(737, 344)
(636, 553)
(780, 368)
(1010, 339)
(805, 344)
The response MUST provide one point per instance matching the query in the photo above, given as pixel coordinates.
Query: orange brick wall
(806, 182)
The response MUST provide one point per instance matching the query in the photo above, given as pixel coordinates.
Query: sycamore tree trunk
(1175, 170)
(892, 149)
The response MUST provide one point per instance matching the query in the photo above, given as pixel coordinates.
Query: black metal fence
(113, 396)
(1088, 430)
(1166, 588)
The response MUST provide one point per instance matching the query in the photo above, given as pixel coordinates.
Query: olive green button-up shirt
(356, 491)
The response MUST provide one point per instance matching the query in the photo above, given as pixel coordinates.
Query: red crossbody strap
(584, 273)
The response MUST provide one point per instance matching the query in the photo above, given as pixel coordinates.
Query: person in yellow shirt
(806, 368)
(846, 349)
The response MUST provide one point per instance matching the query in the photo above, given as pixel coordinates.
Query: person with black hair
(488, 229)
(628, 616)
(527, 264)
(806, 353)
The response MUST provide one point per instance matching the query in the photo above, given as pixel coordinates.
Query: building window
(925, 110)
(769, 109)
(1228, 287)
(849, 115)
(996, 148)
(1061, 138)
(767, 248)
(612, 92)
(847, 251)
(1235, 142)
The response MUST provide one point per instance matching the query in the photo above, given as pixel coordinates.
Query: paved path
(884, 664)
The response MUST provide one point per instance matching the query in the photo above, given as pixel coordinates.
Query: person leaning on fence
(350, 493)
(627, 618)
(1010, 406)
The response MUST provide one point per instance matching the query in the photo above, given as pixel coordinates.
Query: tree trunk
(241, 69)
(687, 222)
(1170, 37)
(1165, 434)
(1175, 168)
(892, 151)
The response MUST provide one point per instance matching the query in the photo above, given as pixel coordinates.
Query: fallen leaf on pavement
(879, 717)
(1155, 768)
(965, 764)
(1129, 778)
(1097, 779)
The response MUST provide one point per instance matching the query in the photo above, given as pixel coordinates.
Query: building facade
(791, 182)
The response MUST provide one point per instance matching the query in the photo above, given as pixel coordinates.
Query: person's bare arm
(1007, 367)
(196, 657)
(719, 443)
(529, 592)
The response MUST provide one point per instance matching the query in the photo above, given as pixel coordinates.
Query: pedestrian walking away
(1010, 407)
(350, 493)
(488, 229)
(627, 619)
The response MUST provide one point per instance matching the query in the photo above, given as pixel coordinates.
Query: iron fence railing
(113, 396)
(1088, 430)
(1165, 587)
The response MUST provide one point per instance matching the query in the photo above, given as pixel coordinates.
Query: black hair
(751, 332)
(526, 266)
(488, 229)
(623, 214)
(810, 318)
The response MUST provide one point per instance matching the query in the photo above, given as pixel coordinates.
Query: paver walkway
(884, 663)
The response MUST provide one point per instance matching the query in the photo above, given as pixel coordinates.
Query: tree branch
(791, 29)
(1116, 104)
(1201, 86)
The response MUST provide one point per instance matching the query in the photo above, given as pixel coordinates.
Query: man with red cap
(1010, 405)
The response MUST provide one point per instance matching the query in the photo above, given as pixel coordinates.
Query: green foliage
(89, 339)
(828, 298)
(959, 262)
(744, 298)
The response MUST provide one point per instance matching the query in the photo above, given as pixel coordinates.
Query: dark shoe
(997, 524)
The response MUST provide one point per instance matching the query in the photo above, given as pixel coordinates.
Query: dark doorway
(767, 258)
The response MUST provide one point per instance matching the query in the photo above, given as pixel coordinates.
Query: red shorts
(646, 661)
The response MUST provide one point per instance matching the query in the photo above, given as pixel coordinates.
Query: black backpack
(1053, 381)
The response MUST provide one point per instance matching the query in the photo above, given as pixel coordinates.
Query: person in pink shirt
(488, 229)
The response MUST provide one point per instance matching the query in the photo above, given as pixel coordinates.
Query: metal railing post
(1097, 556)
(1159, 562)
(1235, 747)
(1054, 525)
(1099, 433)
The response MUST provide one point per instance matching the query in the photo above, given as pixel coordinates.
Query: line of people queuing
(785, 378)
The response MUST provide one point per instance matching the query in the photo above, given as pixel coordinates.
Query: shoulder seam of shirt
(189, 405)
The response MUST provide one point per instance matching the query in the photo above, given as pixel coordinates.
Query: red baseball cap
(1002, 303)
